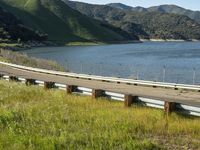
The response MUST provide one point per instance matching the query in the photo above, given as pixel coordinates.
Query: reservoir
(177, 62)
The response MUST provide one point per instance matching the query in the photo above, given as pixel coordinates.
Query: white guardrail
(108, 79)
(190, 110)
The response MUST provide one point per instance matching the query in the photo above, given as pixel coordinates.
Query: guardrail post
(169, 107)
(129, 100)
(96, 93)
(49, 85)
(13, 78)
(70, 89)
(1, 76)
(29, 82)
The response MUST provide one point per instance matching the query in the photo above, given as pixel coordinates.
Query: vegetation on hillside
(172, 9)
(166, 26)
(60, 22)
(33, 118)
(154, 25)
(12, 29)
(120, 6)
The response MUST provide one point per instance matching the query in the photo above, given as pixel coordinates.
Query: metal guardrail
(108, 79)
(116, 96)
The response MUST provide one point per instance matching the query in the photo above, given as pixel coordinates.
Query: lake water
(158, 61)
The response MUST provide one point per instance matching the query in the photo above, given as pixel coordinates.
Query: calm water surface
(158, 61)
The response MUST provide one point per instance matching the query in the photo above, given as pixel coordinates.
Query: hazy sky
(189, 4)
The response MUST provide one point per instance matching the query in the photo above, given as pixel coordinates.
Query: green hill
(195, 15)
(60, 22)
(12, 29)
(144, 24)
(172, 9)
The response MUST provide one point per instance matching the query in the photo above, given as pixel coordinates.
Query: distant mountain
(162, 9)
(177, 10)
(126, 7)
(145, 24)
(120, 6)
(62, 23)
(12, 29)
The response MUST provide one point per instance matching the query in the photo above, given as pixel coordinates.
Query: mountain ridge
(62, 23)
(166, 8)
(146, 25)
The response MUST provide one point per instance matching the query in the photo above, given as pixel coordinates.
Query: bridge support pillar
(29, 82)
(129, 100)
(70, 89)
(49, 85)
(96, 93)
(169, 107)
(13, 78)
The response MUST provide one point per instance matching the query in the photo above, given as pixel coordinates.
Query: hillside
(126, 7)
(120, 6)
(12, 29)
(173, 9)
(153, 25)
(177, 10)
(60, 22)
(34, 118)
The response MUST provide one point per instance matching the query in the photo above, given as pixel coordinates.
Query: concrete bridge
(169, 96)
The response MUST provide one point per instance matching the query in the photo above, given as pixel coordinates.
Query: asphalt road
(190, 98)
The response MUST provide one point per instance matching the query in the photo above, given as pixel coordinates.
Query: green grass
(33, 118)
(59, 21)
(10, 45)
(84, 43)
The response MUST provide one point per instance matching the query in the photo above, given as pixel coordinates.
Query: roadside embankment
(23, 59)
(34, 118)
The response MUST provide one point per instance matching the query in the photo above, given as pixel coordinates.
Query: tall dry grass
(23, 59)
(33, 118)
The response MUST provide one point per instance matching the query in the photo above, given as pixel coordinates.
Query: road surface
(186, 97)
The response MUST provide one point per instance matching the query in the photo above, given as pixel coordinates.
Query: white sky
(189, 4)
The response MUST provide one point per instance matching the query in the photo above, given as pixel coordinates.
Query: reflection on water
(169, 61)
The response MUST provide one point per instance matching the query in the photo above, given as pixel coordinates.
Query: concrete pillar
(13, 78)
(70, 89)
(49, 85)
(96, 93)
(169, 107)
(129, 100)
(29, 82)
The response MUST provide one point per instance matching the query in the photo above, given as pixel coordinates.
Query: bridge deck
(190, 98)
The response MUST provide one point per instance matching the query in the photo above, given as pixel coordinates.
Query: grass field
(33, 118)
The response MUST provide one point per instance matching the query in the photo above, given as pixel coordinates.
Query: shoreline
(35, 44)
(169, 40)
(100, 43)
